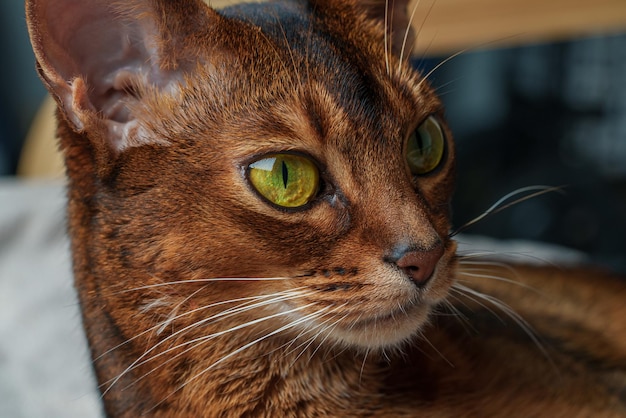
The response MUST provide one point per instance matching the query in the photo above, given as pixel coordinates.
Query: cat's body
(209, 288)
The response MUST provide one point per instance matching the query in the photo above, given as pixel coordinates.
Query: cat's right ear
(393, 16)
(97, 56)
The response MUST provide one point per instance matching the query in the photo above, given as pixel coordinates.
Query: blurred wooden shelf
(455, 25)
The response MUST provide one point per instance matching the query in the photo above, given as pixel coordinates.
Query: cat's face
(314, 159)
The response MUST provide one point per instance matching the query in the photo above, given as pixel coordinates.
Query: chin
(383, 331)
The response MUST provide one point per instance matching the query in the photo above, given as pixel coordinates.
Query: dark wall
(549, 115)
(21, 91)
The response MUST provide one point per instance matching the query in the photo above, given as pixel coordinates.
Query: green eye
(425, 146)
(286, 180)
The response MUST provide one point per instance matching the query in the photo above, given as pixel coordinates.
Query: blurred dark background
(550, 114)
(21, 92)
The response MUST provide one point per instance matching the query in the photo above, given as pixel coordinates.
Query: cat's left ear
(99, 57)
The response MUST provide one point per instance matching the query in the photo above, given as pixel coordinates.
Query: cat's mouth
(396, 315)
(378, 310)
(383, 329)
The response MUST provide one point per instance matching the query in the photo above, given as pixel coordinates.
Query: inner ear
(96, 57)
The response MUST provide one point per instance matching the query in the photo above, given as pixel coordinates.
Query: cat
(259, 211)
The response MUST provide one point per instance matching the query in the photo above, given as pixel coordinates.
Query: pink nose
(419, 265)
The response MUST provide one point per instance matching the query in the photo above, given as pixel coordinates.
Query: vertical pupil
(285, 174)
(420, 142)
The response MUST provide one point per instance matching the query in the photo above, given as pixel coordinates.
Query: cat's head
(281, 142)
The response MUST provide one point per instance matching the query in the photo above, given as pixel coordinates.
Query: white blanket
(45, 371)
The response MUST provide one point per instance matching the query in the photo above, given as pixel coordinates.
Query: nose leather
(419, 264)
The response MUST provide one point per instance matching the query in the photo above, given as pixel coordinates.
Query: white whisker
(457, 313)
(513, 256)
(242, 348)
(500, 206)
(443, 357)
(442, 63)
(474, 255)
(198, 281)
(327, 332)
(195, 343)
(173, 315)
(406, 34)
(246, 301)
(479, 274)
(294, 86)
(308, 329)
(277, 297)
(507, 310)
(456, 54)
(449, 83)
(367, 352)
(460, 289)
(421, 27)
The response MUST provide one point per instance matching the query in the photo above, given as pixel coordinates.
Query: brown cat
(259, 212)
